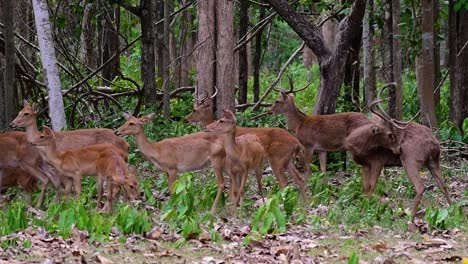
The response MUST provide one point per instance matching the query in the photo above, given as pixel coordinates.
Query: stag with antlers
(392, 142)
(317, 133)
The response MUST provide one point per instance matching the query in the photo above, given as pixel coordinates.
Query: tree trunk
(205, 62)
(352, 73)
(257, 59)
(110, 44)
(455, 114)
(461, 66)
(225, 56)
(185, 47)
(159, 42)
(147, 53)
(368, 55)
(8, 98)
(436, 52)
(166, 59)
(242, 53)
(396, 62)
(425, 66)
(87, 36)
(49, 64)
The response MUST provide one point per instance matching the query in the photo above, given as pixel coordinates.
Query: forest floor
(307, 242)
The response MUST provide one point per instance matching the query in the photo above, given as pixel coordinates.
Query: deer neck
(51, 153)
(230, 146)
(208, 119)
(294, 117)
(31, 131)
(142, 141)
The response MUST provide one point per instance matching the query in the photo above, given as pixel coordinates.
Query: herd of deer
(62, 158)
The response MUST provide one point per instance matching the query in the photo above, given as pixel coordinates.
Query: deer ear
(391, 136)
(49, 131)
(127, 115)
(35, 106)
(25, 103)
(284, 95)
(375, 130)
(147, 119)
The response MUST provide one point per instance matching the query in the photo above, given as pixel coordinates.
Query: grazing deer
(18, 177)
(243, 154)
(67, 140)
(317, 133)
(281, 147)
(17, 153)
(414, 143)
(71, 165)
(112, 168)
(179, 154)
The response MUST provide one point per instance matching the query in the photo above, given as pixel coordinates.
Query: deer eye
(25, 114)
(131, 124)
(221, 121)
(41, 136)
(277, 101)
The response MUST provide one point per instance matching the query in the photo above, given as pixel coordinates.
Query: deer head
(26, 116)
(133, 125)
(202, 112)
(45, 138)
(225, 124)
(286, 101)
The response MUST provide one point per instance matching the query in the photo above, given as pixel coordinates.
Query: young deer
(18, 177)
(174, 155)
(112, 168)
(243, 154)
(281, 147)
(17, 153)
(414, 143)
(319, 133)
(71, 165)
(67, 140)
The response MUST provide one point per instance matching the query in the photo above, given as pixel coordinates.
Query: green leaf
(267, 223)
(280, 219)
(353, 259)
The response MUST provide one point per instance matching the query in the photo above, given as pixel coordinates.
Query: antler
(384, 115)
(291, 86)
(202, 101)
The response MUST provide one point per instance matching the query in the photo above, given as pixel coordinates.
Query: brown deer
(71, 165)
(112, 168)
(67, 140)
(17, 153)
(414, 143)
(243, 154)
(317, 133)
(281, 147)
(179, 154)
(18, 177)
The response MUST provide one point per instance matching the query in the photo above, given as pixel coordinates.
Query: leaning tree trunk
(331, 62)
(242, 53)
(49, 64)
(426, 67)
(368, 55)
(7, 98)
(225, 56)
(397, 97)
(205, 62)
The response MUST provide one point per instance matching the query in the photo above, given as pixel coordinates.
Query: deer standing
(414, 143)
(281, 147)
(71, 165)
(179, 154)
(317, 133)
(243, 154)
(112, 168)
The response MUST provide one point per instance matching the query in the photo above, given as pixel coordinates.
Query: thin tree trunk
(369, 55)
(436, 52)
(461, 66)
(8, 90)
(205, 62)
(388, 63)
(455, 114)
(185, 47)
(87, 35)
(111, 44)
(426, 67)
(159, 42)
(49, 63)
(352, 74)
(166, 59)
(396, 61)
(147, 53)
(242, 53)
(225, 56)
(257, 59)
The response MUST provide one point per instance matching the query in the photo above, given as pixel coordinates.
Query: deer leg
(308, 154)
(296, 175)
(258, 176)
(108, 207)
(412, 168)
(323, 160)
(77, 182)
(366, 175)
(218, 166)
(276, 166)
(172, 176)
(100, 184)
(434, 167)
(240, 192)
(375, 171)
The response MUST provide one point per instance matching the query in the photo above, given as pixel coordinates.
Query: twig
(278, 77)
(249, 35)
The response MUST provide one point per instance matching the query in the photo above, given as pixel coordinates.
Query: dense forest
(175, 102)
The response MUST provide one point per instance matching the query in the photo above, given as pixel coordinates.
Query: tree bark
(147, 53)
(159, 42)
(396, 62)
(110, 44)
(49, 64)
(166, 59)
(352, 73)
(186, 47)
(331, 63)
(205, 62)
(225, 56)
(461, 66)
(426, 67)
(8, 98)
(87, 35)
(455, 114)
(242, 52)
(368, 55)
(257, 59)
(436, 52)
